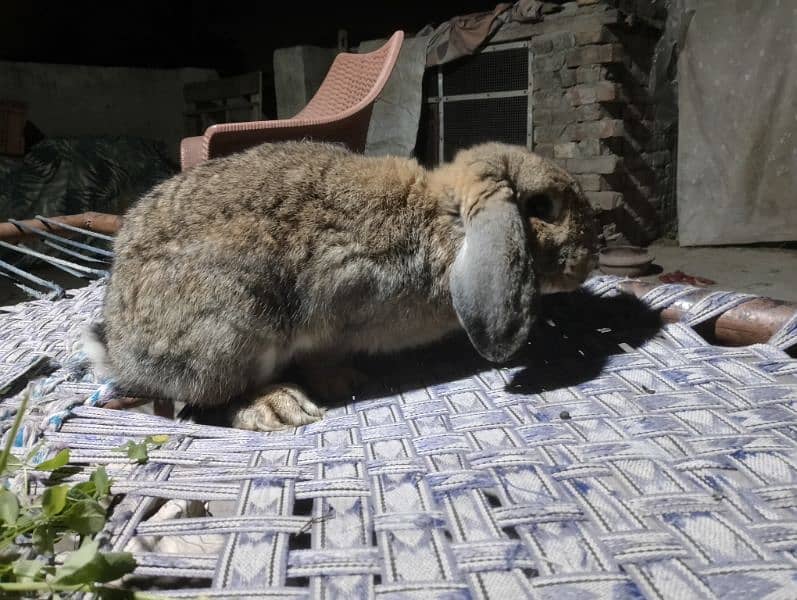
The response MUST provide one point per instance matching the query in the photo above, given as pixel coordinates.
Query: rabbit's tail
(96, 348)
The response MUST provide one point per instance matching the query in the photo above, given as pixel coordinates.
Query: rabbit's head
(528, 230)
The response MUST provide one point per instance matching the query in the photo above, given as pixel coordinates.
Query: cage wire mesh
(497, 71)
(477, 98)
(469, 122)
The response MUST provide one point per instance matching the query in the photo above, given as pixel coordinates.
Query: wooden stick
(752, 322)
(91, 221)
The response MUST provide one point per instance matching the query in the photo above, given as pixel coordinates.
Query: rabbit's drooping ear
(492, 281)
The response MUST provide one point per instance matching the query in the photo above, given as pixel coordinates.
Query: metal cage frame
(441, 99)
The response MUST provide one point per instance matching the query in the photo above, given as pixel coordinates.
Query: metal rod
(69, 252)
(530, 99)
(478, 96)
(56, 289)
(441, 145)
(752, 322)
(86, 222)
(65, 265)
(500, 47)
(28, 290)
(50, 236)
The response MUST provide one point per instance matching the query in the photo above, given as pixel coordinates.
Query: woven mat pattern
(614, 459)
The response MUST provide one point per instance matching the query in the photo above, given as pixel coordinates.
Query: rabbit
(296, 252)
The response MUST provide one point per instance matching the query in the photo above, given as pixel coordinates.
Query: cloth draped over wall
(737, 137)
(397, 110)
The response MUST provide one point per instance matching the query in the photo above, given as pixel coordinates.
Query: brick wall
(593, 111)
(593, 114)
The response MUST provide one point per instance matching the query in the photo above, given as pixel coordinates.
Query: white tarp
(397, 110)
(737, 136)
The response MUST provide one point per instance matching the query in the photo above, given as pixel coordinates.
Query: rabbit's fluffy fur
(226, 273)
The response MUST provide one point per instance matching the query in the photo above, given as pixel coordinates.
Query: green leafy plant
(139, 451)
(64, 514)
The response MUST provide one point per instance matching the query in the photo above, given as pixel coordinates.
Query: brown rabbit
(228, 272)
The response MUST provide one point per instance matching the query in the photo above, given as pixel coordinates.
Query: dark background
(229, 36)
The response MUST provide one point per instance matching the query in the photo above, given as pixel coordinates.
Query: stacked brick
(591, 112)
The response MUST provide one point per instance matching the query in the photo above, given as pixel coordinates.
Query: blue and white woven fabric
(616, 459)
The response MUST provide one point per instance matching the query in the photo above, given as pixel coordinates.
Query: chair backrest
(340, 111)
(353, 80)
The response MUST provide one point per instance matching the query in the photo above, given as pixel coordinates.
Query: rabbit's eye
(543, 207)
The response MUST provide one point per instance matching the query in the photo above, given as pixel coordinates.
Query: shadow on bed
(573, 340)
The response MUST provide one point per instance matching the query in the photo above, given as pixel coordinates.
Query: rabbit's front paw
(276, 407)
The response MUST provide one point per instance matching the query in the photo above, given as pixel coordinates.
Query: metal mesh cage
(429, 83)
(484, 98)
(428, 142)
(498, 71)
(473, 121)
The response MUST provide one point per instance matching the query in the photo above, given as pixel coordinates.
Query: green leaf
(80, 566)
(27, 570)
(9, 507)
(158, 440)
(84, 489)
(44, 538)
(5, 455)
(13, 465)
(56, 462)
(136, 451)
(84, 516)
(102, 484)
(116, 565)
(54, 499)
(89, 565)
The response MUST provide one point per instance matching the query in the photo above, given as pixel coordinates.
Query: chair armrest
(192, 151)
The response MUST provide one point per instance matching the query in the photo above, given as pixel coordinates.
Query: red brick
(567, 77)
(590, 182)
(603, 91)
(563, 40)
(542, 116)
(553, 98)
(548, 133)
(582, 149)
(590, 112)
(549, 62)
(546, 80)
(600, 165)
(590, 74)
(544, 150)
(594, 54)
(595, 36)
(605, 128)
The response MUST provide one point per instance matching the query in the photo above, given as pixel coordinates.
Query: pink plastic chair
(340, 110)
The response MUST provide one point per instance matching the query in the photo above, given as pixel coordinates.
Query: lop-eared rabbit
(300, 253)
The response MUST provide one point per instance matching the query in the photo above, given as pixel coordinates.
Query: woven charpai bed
(617, 458)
